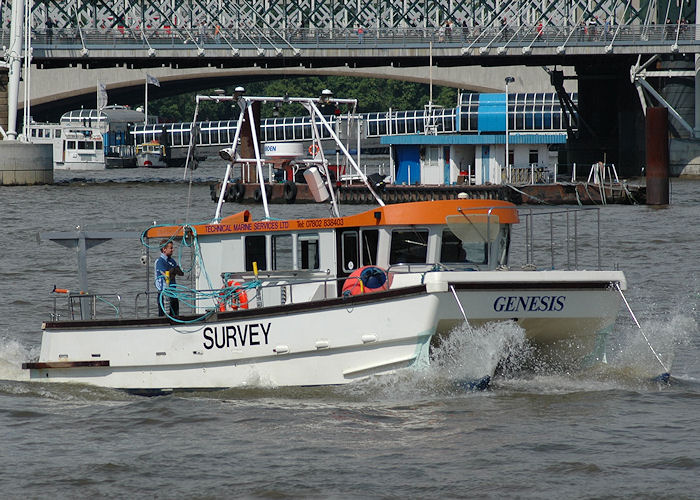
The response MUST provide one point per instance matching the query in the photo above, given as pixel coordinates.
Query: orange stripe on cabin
(402, 214)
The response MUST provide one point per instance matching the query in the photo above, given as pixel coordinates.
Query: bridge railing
(263, 38)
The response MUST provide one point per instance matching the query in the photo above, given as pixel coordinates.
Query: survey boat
(298, 302)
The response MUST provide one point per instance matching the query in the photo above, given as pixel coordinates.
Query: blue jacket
(163, 264)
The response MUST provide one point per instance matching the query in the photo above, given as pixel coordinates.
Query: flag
(152, 80)
(101, 95)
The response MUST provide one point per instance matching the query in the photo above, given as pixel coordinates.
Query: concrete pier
(24, 164)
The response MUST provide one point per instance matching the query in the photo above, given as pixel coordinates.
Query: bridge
(602, 40)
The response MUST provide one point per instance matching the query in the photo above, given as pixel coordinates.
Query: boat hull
(326, 342)
(566, 315)
(150, 160)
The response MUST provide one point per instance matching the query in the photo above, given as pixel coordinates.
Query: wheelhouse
(315, 256)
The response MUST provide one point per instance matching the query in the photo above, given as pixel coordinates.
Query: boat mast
(311, 104)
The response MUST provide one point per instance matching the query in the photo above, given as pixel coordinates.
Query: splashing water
(472, 353)
(465, 354)
(632, 354)
(12, 353)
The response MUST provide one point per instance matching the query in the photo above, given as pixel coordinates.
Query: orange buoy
(367, 279)
(238, 298)
(314, 149)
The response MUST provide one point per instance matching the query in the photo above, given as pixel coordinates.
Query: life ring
(314, 149)
(367, 279)
(234, 299)
(290, 191)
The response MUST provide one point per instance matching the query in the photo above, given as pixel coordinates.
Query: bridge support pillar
(611, 127)
(21, 163)
(4, 79)
(657, 156)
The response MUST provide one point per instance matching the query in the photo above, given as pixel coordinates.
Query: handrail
(297, 38)
(83, 301)
(571, 235)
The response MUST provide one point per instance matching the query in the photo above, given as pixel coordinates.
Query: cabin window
(70, 145)
(282, 252)
(351, 254)
(58, 133)
(308, 255)
(370, 240)
(409, 246)
(84, 145)
(255, 252)
(98, 145)
(455, 250)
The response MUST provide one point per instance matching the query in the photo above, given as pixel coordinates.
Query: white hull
(150, 160)
(80, 166)
(566, 314)
(327, 342)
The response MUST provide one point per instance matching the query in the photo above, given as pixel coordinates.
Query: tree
(373, 95)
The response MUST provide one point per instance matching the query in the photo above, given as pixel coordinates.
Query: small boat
(299, 302)
(89, 139)
(150, 154)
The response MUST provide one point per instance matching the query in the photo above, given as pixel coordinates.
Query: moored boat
(150, 154)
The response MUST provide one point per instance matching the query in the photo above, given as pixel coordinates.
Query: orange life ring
(367, 279)
(314, 149)
(238, 298)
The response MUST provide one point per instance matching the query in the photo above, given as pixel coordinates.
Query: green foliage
(373, 95)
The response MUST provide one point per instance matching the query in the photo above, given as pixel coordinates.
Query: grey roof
(112, 114)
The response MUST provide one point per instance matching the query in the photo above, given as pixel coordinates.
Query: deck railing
(230, 38)
(567, 238)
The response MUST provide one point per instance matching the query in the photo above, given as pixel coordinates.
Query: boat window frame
(415, 230)
(472, 247)
(299, 241)
(248, 258)
(369, 256)
(343, 259)
(278, 242)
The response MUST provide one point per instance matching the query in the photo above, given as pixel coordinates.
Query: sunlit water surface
(606, 432)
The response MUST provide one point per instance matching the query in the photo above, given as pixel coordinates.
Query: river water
(608, 432)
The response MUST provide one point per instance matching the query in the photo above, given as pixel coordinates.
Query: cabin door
(485, 165)
(446, 165)
(355, 248)
(408, 164)
(433, 170)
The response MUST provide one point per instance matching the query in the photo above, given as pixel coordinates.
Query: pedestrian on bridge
(465, 29)
(360, 34)
(582, 31)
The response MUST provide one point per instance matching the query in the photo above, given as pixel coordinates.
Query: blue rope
(189, 232)
(190, 297)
